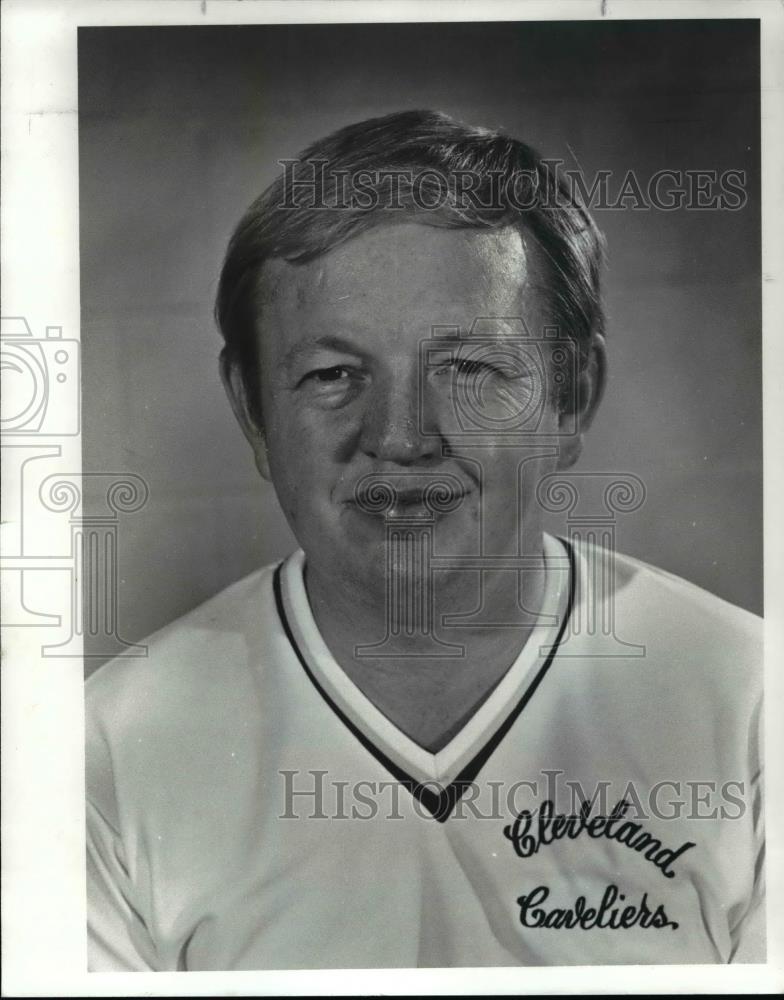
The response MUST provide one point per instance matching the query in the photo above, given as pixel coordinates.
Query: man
(435, 735)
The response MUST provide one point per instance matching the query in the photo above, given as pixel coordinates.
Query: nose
(393, 421)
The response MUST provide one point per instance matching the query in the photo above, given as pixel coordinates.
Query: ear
(234, 384)
(581, 408)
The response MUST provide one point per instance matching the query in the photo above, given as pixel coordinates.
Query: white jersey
(249, 808)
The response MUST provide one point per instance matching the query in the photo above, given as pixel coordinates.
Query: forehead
(404, 276)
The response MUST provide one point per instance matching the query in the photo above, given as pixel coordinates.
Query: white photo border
(44, 941)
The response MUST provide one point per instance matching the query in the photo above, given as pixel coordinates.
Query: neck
(416, 609)
(425, 675)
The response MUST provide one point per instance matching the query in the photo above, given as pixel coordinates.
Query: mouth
(383, 497)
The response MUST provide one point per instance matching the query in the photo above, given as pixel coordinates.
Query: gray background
(180, 128)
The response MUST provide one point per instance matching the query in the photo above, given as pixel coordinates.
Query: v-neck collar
(456, 764)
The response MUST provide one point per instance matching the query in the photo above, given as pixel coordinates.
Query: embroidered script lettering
(604, 916)
(530, 831)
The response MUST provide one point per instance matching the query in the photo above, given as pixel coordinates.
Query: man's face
(344, 395)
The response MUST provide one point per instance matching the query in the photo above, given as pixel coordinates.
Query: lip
(409, 498)
(409, 501)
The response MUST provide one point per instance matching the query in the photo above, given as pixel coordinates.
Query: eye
(471, 368)
(461, 367)
(325, 376)
(335, 375)
(333, 386)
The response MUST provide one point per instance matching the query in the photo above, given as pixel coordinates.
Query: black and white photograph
(394, 498)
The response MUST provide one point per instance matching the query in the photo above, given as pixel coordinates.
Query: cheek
(309, 436)
(305, 453)
(512, 463)
(511, 477)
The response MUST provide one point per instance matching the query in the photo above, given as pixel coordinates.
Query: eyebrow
(328, 341)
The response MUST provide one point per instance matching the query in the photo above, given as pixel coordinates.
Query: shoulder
(157, 727)
(692, 639)
(201, 656)
(671, 665)
(669, 601)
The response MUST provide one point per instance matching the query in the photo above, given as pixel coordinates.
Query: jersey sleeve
(117, 939)
(748, 935)
(117, 936)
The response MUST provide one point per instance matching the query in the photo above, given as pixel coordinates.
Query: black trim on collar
(439, 805)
